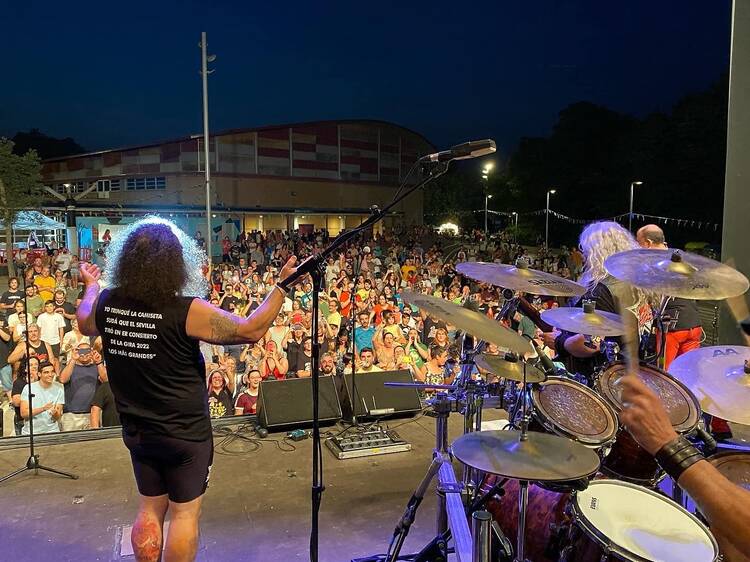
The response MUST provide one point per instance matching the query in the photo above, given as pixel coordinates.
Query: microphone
(547, 365)
(472, 149)
(707, 438)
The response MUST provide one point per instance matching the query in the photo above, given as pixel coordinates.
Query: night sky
(116, 74)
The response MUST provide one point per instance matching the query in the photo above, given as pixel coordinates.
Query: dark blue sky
(113, 74)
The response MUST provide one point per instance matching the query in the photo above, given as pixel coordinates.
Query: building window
(102, 186)
(146, 183)
(114, 185)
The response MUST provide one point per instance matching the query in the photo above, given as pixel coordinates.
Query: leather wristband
(677, 456)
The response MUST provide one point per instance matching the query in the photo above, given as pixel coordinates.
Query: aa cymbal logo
(725, 352)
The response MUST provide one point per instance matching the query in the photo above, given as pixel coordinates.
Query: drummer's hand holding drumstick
(725, 505)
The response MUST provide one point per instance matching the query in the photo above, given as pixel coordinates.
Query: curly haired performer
(151, 318)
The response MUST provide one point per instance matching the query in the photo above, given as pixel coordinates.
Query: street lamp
(515, 230)
(630, 214)
(546, 226)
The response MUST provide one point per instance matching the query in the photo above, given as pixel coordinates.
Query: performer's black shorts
(167, 465)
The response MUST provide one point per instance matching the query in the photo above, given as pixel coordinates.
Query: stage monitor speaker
(288, 403)
(373, 399)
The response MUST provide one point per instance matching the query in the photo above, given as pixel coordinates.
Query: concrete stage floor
(257, 506)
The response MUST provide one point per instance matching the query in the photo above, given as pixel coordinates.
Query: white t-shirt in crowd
(63, 261)
(43, 422)
(49, 327)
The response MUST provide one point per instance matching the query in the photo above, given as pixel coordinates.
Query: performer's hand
(90, 274)
(643, 415)
(288, 269)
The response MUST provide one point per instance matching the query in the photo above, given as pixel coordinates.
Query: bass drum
(627, 460)
(621, 521)
(547, 522)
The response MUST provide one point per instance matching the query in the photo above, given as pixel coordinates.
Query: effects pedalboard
(367, 442)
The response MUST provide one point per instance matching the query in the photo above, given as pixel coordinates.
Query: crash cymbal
(586, 320)
(677, 274)
(719, 376)
(513, 370)
(521, 278)
(542, 457)
(471, 322)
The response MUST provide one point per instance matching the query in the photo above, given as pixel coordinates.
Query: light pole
(487, 197)
(205, 59)
(546, 214)
(630, 214)
(515, 230)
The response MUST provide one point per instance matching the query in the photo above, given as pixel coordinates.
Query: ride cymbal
(719, 377)
(586, 320)
(521, 278)
(542, 457)
(471, 322)
(677, 274)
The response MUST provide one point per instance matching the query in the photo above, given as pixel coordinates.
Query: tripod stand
(32, 463)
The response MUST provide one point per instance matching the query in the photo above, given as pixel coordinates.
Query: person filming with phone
(81, 377)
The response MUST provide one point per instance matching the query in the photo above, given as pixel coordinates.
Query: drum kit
(565, 479)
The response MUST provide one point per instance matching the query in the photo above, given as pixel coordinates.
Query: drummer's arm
(725, 505)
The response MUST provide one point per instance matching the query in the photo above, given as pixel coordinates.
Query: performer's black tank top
(156, 371)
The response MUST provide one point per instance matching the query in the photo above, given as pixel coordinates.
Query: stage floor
(257, 506)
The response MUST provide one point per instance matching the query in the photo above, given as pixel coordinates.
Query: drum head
(681, 405)
(575, 411)
(735, 466)
(639, 524)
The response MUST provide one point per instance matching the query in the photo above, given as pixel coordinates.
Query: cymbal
(584, 320)
(719, 376)
(542, 457)
(470, 322)
(513, 370)
(521, 278)
(677, 274)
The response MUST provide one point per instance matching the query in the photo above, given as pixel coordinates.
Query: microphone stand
(32, 463)
(314, 266)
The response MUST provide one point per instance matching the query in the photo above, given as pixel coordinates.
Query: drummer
(581, 354)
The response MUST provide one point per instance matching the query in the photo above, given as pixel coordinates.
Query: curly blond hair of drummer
(598, 241)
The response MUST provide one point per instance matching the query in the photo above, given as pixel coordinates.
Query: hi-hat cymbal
(521, 278)
(542, 457)
(677, 274)
(586, 320)
(719, 376)
(513, 370)
(470, 322)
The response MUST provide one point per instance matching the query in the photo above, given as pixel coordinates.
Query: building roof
(247, 130)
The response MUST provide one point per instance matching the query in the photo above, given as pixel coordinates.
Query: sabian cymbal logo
(539, 282)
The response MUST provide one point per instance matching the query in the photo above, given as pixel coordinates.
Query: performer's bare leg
(146, 537)
(182, 539)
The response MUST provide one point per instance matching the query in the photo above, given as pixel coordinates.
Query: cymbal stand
(523, 495)
(663, 327)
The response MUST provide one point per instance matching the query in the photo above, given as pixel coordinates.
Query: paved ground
(257, 507)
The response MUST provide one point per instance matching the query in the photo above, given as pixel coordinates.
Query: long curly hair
(153, 261)
(598, 241)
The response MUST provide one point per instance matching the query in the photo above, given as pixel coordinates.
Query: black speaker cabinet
(372, 399)
(288, 403)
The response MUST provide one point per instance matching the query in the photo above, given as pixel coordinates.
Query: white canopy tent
(45, 229)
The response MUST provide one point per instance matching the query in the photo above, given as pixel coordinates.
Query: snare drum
(627, 460)
(615, 520)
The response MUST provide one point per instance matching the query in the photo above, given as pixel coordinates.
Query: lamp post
(515, 230)
(205, 59)
(487, 197)
(630, 214)
(546, 225)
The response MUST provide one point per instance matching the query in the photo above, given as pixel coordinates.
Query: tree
(45, 145)
(20, 188)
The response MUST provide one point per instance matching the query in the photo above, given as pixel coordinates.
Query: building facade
(308, 175)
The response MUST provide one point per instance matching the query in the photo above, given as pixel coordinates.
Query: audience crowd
(362, 299)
